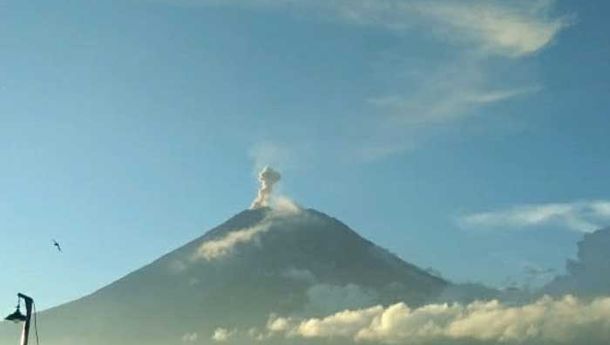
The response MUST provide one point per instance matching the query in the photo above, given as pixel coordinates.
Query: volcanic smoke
(267, 177)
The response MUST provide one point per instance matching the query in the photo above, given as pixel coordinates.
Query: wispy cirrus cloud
(474, 37)
(510, 28)
(446, 96)
(584, 216)
(476, 33)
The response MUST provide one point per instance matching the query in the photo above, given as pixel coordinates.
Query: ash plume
(267, 177)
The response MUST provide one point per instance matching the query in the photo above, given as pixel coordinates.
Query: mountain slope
(259, 262)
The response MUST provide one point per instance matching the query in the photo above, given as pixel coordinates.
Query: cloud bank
(589, 273)
(567, 320)
(327, 298)
(584, 216)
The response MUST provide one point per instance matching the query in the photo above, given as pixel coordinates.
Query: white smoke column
(267, 177)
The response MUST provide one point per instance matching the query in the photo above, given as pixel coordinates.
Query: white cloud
(601, 208)
(508, 28)
(476, 37)
(447, 95)
(190, 337)
(585, 216)
(284, 206)
(342, 324)
(483, 97)
(217, 248)
(567, 320)
(450, 94)
(222, 335)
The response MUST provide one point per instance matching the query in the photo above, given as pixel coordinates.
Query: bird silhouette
(57, 246)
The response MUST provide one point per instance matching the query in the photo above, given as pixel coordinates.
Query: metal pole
(25, 334)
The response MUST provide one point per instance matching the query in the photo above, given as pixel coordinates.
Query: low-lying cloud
(222, 335)
(566, 320)
(217, 248)
(326, 298)
(584, 216)
(190, 337)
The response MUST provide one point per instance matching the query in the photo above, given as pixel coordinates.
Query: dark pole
(29, 302)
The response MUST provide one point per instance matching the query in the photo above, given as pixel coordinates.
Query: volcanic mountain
(260, 262)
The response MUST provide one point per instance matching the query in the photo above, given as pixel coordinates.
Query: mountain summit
(263, 261)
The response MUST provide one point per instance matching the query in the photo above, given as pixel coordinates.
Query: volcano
(260, 262)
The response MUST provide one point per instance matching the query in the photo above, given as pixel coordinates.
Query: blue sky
(469, 136)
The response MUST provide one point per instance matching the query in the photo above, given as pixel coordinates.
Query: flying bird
(57, 246)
